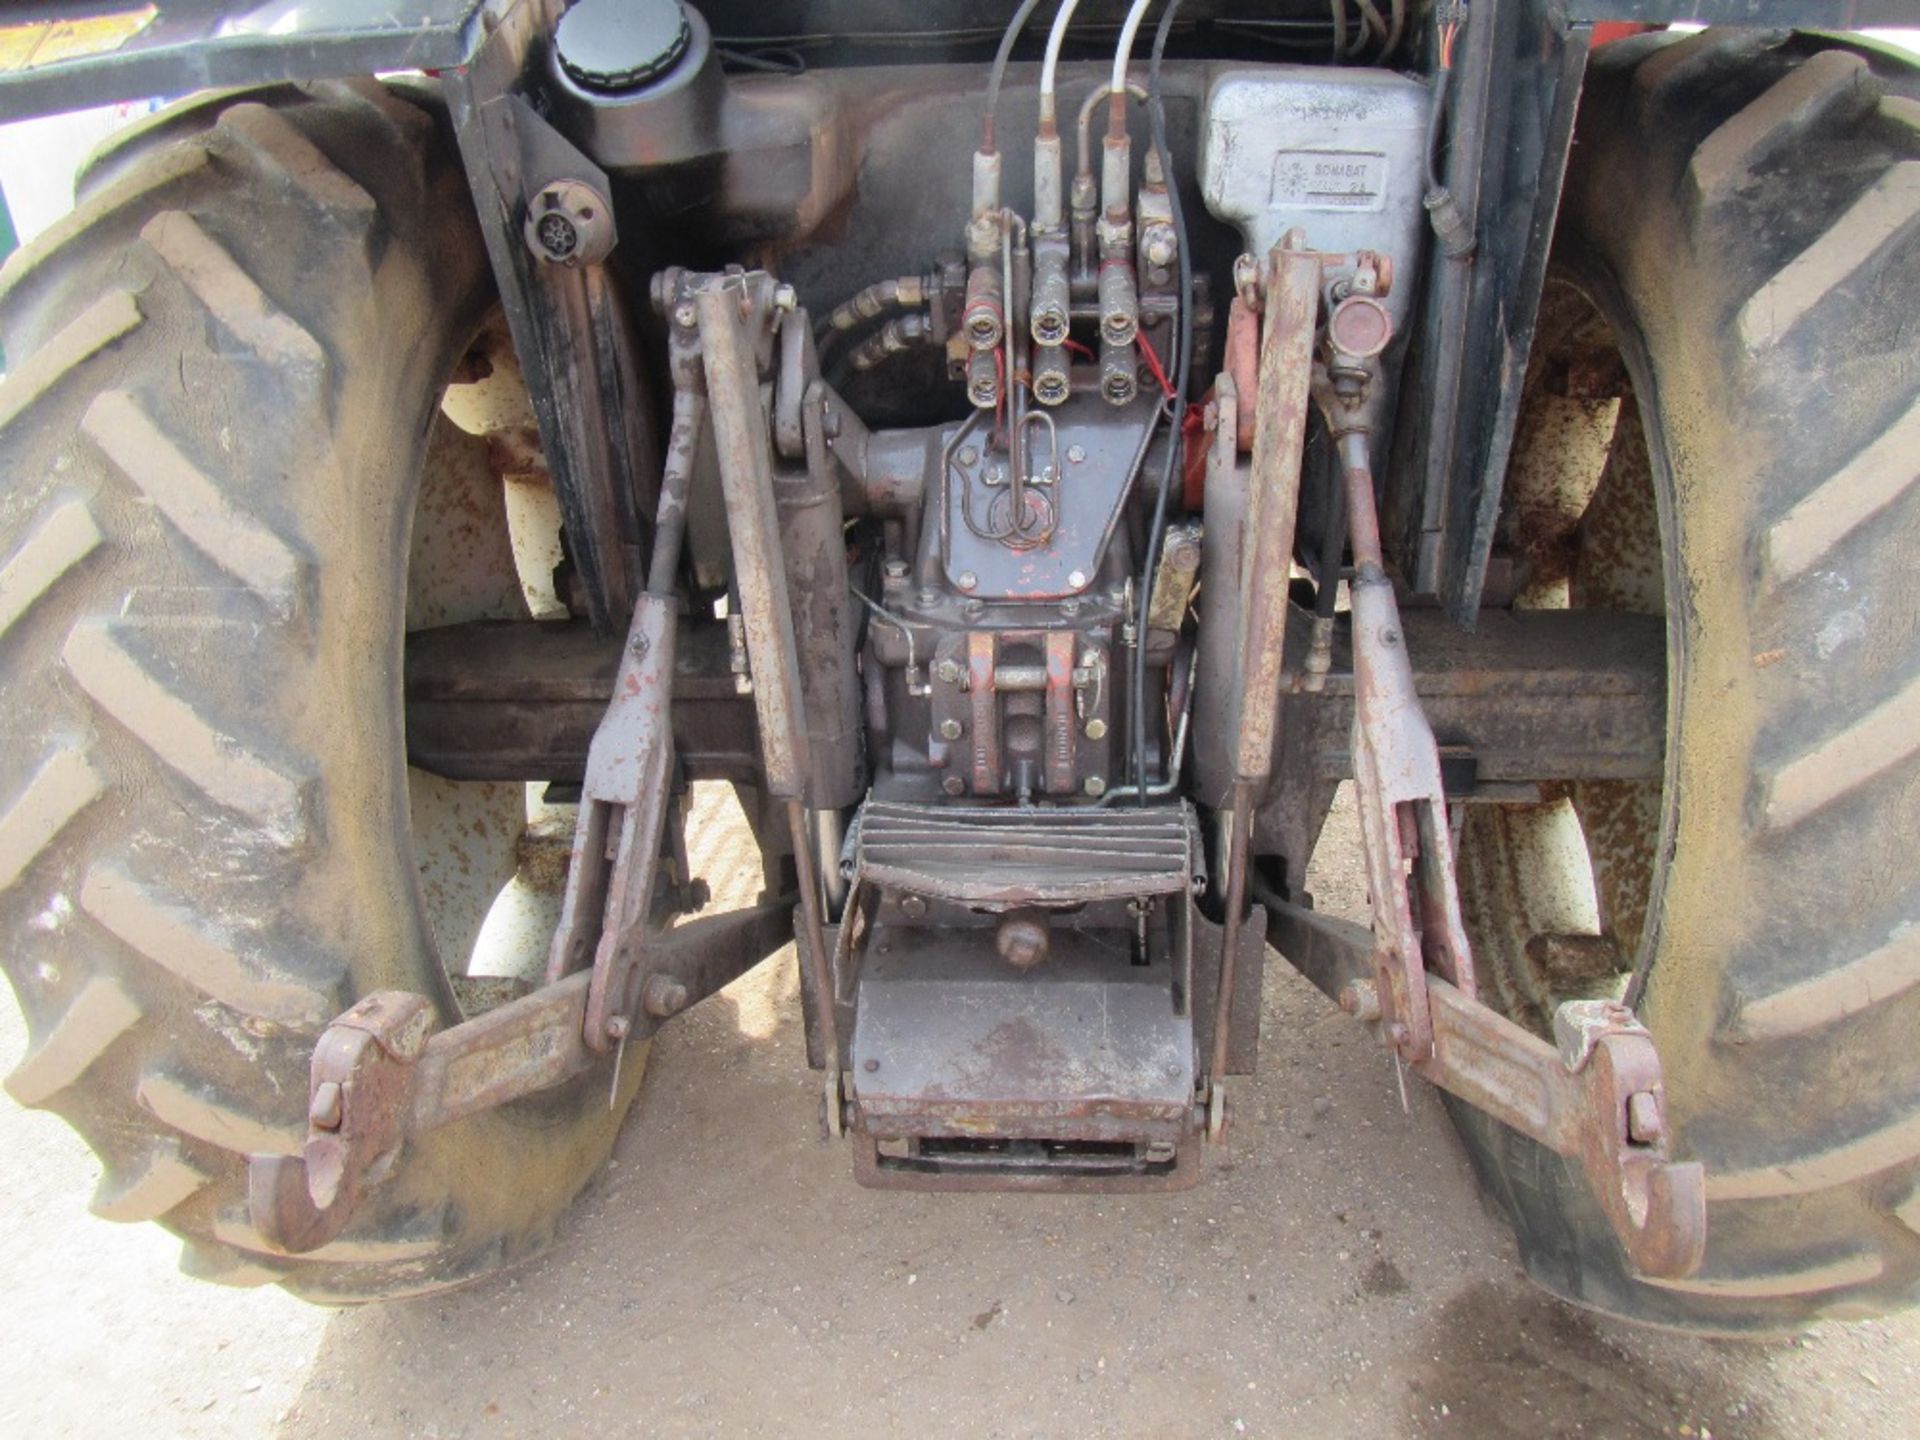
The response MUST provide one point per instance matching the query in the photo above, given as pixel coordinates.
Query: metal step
(1027, 855)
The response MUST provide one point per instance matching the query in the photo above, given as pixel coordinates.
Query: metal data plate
(1338, 152)
(952, 1041)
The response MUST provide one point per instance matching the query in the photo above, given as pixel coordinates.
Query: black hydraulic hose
(1007, 41)
(1183, 367)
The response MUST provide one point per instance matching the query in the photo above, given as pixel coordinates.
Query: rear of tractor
(1035, 455)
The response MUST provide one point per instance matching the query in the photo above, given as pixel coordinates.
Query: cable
(1084, 151)
(1123, 52)
(1055, 37)
(1183, 368)
(1007, 39)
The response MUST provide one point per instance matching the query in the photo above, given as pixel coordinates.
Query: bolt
(1096, 729)
(1022, 938)
(871, 1066)
(1096, 786)
(784, 298)
(969, 455)
(974, 609)
(896, 570)
(947, 671)
(950, 729)
(914, 907)
(928, 595)
(954, 785)
(684, 315)
(1159, 248)
(1077, 580)
(1361, 1000)
(1076, 453)
(1398, 1033)
(617, 1027)
(1644, 1123)
(967, 580)
(324, 1112)
(663, 996)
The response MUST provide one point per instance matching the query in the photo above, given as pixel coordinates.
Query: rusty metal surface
(569, 322)
(1535, 696)
(623, 809)
(701, 955)
(1402, 799)
(813, 542)
(1249, 975)
(520, 700)
(379, 1074)
(746, 474)
(1005, 856)
(952, 1041)
(1597, 1098)
(1031, 1167)
(1281, 400)
(1079, 480)
(523, 1046)
(360, 1076)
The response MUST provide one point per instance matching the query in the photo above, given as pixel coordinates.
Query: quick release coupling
(1052, 298)
(984, 319)
(1119, 303)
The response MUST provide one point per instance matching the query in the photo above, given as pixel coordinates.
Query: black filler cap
(621, 44)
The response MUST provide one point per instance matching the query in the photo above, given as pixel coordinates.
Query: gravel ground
(1335, 1275)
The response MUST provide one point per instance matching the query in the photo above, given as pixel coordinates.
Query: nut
(663, 996)
(951, 729)
(1361, 1000)
(1022, 938)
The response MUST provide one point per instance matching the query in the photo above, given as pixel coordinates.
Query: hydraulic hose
(1000, 56)
(1183, 367)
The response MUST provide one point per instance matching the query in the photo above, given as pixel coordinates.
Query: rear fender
(62, 56)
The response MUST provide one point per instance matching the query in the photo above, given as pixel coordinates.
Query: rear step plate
(1019, 855)
(1077, 1071)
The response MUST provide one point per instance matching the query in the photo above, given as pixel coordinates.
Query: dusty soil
(1335, 1275)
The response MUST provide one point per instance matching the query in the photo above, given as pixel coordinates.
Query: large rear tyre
(1741, 232)
(228, 368)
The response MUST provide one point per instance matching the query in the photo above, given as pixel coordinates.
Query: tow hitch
(1024, 995)
(1598, 1098)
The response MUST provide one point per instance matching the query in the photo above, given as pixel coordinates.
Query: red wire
(1153, 363)
(1084, 352)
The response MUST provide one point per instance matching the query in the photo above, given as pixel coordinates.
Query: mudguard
(67, 56)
